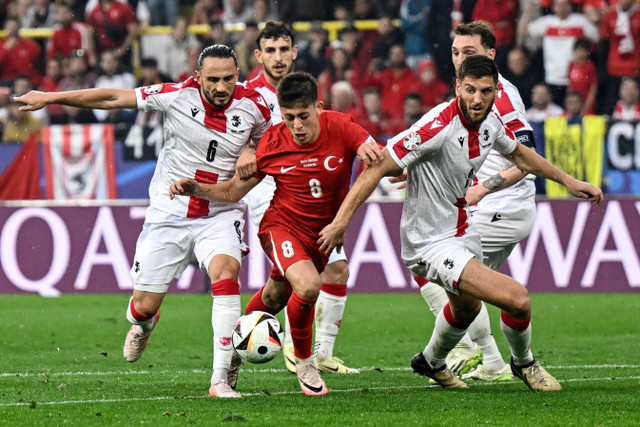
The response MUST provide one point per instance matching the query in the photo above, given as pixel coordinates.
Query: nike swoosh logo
(312, 388)
(332, 369)
(285, 170)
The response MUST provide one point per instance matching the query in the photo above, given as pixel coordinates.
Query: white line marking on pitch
(253, 370)
(280, 393)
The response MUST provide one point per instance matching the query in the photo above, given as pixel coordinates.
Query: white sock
(480, 333)
(443, 338)
(329, 312)
(519, 341)
(287, 330)
(224, 314)
(143, 324)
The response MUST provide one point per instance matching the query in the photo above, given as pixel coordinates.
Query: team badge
(412, 141)
(153, 89)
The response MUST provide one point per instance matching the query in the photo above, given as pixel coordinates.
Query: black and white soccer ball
(257, 337)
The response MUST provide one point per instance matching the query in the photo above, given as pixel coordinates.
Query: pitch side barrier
(87, 247)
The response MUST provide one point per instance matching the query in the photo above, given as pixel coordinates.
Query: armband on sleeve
(525, 137)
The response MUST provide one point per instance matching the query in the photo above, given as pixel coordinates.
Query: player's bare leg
(143, 311)
(225, 311)
(306, 285)
(329, 311)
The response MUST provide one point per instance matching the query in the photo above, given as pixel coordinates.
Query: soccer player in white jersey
(276, 52)
(443, 152)
(208, 120)
(502, 218)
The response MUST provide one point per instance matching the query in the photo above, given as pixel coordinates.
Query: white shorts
(259, 199)
(442, 262)
(501, 227)
(168, 244)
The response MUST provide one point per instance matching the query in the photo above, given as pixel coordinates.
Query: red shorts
(285, 248)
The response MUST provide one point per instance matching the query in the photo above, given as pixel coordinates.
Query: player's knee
(309, 293)
(336, 272)
(521, 307)
(275, 299)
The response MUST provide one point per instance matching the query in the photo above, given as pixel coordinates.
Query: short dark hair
(275, 30)
(217, 51)
(148, 62)
(480, 28)
(477, 67)
(581, 44)
(297, 89)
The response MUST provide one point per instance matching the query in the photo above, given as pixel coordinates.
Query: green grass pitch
(61, 363)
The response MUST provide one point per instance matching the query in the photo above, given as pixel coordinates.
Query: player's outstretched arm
(246, 164)
(503, 179)
(333, 234)
(103, 99)
(532, 162)
(228, 191)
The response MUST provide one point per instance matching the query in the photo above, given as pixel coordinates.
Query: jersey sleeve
(423, 137)
(157, 97)
(505, 141)
(537, 27)
(356, 135)
(511, 110)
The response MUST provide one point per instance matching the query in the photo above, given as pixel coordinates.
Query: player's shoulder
(440, 116)
(246, 94)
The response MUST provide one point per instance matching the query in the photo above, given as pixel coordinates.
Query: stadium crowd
(566, 57)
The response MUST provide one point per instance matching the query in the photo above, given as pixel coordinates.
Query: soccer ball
(257, 337)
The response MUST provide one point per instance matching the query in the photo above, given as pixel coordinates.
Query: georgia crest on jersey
(201, 141)
(442, 153)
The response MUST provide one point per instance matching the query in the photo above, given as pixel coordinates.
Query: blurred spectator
(359, 52)
(204, 11)
(263, 11)
(620, 45)
(139, 7)
(413, 17)
(583, 76)
(191, 65)
(239, 11)
(502, 15)
(41, 14)
(18, 55)
(413, 109)
(19, 125)
(343, 97)
(395, 82)
(628, 106)
(151, 75)
(312, 54)
(558, 32)
(365, 9)
(76, 6)
(341, 12)
(371, 115)
(177, 48)
(244, 49)
(431, 89)
(542, 105)
(388, 35)
(69, 35)
(112, 76)
(518, 70)
(217, 33)
(573, 107)
(78, 77)
(116, 27)
(163, 12)
(443, 17)
(51, 83)
(23, 84)
(338, 68)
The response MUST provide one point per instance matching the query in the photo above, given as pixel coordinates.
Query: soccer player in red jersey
(310, 156)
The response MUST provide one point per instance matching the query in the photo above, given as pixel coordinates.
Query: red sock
(301, 314)
(256, 304)
(136, 315)
(335, 289)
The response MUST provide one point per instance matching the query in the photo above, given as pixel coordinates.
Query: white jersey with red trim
(442, 154)
(268, 92)
(201, 141)
(510, 108)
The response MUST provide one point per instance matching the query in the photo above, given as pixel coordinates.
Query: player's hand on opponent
(584, 190)
(332, 236)
(34, 99)
(183, 187)
(246, 164)
(370, 152)
(400, 179)
(475, 193)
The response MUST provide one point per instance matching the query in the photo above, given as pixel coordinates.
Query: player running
(276, 52)
(208, 121)
(310, 157)
(443, 151)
